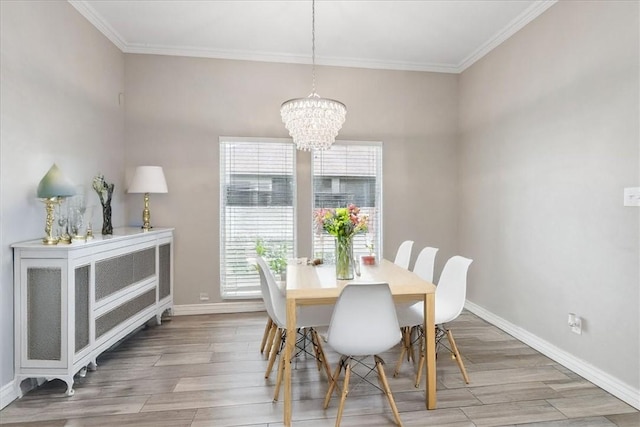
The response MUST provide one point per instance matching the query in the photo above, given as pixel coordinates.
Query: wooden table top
(305, 282)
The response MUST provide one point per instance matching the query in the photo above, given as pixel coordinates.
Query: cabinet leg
(83, 372)
(93, 365)
(70, 391)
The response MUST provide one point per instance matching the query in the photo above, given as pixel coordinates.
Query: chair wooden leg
(274, 352)
(403, 348)
(407, 347)
(316, 349)
(417, 332)
(281, 363)
(406, 335)
(420, 363)
(320, 354)
(345, 391)
(456, 354)
(265, 335)
(270, 339)
(333, 381)
(387, 389)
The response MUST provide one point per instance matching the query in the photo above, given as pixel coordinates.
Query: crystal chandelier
(313, 122)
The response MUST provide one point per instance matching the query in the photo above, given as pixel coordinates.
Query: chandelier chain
(313, 46)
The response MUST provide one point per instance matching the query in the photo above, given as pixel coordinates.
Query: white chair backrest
(452, 289)
(274, 299)
(425, 263)
(403, 255)
(364, 320)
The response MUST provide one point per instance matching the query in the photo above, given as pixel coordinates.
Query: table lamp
(148, 179)
(52, 188)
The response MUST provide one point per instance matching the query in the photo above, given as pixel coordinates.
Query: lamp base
(50, 240)
(146, 214)
(49, 205)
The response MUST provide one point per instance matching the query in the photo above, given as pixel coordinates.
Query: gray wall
(549, 139)
(177, 107)
(61, 81)
(60, 84)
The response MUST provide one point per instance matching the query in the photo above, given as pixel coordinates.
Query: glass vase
(344, 258)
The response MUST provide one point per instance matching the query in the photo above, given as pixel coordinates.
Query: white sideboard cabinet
(74, 301)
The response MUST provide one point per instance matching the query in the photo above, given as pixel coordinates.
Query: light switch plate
(632, 196)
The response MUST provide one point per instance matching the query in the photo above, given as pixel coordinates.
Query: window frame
(378, 244)
(228, 292)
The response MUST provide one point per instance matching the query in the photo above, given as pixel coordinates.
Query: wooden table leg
(288, 353)
(430, 350)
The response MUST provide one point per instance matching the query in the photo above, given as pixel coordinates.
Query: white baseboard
(597, 376)
(218, 308)
(7, 394)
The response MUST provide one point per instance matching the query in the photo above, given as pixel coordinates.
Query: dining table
(308, 284)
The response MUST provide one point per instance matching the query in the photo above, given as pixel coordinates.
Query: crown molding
(285, 58)
(515, 25)
(531, 13)
(96, 19)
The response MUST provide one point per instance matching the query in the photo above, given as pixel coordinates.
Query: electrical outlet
(204, 296)
(575, 323)
(632, 196)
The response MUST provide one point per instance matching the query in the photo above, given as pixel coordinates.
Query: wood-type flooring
(207, 371)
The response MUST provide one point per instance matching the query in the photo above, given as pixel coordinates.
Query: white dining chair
(270, 329)
(450, 299)
(425, 263)
(307, 319)
(364, 323)
(423, 267)
(403, 254)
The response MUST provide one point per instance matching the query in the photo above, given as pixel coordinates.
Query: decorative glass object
(76, 211)
(62, 214)
(89, 219)
(313, 122)
(344, 258)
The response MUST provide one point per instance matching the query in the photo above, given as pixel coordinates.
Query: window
(257, 206)
(349, 173)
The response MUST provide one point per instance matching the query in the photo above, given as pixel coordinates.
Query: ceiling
(428, 35)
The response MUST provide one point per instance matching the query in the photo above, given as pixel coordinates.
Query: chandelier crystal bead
(313, 122)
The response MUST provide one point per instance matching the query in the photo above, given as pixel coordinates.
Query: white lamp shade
(148, 179)
(54, 184)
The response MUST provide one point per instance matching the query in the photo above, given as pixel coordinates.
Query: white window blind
(349, 173)
(257, 202)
